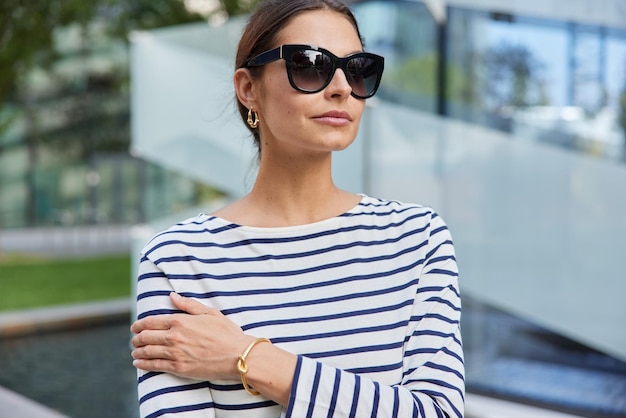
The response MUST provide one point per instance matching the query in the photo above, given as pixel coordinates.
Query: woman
(301, 299)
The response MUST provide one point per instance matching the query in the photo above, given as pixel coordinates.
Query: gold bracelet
(242, 366)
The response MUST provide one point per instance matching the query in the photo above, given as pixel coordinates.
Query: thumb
(189, 305)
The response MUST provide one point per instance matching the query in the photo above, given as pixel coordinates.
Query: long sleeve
(163, 394)
(433, 378)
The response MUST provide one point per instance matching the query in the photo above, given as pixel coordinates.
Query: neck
(298, 192)
(290, 194)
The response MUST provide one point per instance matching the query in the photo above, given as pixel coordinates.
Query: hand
(201, 344)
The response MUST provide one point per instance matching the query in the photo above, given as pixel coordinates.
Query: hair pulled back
(264, 26)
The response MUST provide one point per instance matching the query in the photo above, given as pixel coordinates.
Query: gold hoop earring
(253, 118)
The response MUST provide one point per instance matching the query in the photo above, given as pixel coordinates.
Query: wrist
(243, 366)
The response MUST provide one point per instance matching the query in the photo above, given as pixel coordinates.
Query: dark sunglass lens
(362, 73)
(310, 69)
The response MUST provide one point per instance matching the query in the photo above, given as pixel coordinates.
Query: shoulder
(188, 232)
(395, 210)
(394, 215)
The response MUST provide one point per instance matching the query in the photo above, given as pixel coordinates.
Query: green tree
(90, 108)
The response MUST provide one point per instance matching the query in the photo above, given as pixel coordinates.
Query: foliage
(127, 16)
(236, 7)
(28, 29)
(64, 77)
(28, 283)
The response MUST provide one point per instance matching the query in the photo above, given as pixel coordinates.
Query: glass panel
(509, 357)
(524, 269)
(406, 35)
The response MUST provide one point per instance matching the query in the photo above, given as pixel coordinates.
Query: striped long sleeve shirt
(367, 300)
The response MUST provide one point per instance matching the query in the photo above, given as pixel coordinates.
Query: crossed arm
(205, 346)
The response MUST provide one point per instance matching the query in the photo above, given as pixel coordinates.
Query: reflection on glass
(542, 82)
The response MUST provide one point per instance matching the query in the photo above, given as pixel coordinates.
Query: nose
(339, 85)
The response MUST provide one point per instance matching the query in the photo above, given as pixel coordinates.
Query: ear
(245, 87)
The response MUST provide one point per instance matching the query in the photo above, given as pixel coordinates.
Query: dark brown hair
(264, 26)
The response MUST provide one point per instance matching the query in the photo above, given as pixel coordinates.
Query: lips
(334, 118)
(338, 114)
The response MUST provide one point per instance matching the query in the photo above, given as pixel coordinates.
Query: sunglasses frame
(286, 51)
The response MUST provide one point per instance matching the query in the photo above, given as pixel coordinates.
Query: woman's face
(297, 124)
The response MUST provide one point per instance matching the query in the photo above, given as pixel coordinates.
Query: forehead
(325, 28)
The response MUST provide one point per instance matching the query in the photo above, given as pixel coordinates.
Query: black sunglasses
(310, 68)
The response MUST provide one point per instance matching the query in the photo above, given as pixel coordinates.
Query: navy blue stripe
(376, 369)
(435, 316)
(355, 350)
(288, 273)
(348, 314)
(301, 303)
(343, 280)
(396, 401)
(153, 293)
(316, 384)
(438, 230)
(152, 275)
(282, 240)
(436, 249)
(443, 258)
(341, 333)
(420, 406)
(225, 388)
(178, 228)
(350, 214)
(294, 387)
(333, 398)
(439, 383)
(172, 389)
(376, 400)
(244, 406)
(444, 369)
(434, 333)
(147, 376)
(179, 409)
(434, 394)
(385, 213)
(288, 256)
(445, 302)
(445, 272)
(355, 396)
(447, 351)
(158, 312)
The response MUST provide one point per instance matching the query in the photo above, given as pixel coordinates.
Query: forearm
(320, 390)
(270, 372)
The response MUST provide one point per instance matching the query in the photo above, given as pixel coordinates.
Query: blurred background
(117, 119)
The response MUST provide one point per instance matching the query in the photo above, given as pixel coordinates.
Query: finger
(154, 365)
(155, 322)
(149, 337)
(152, 352)
(189, 305)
